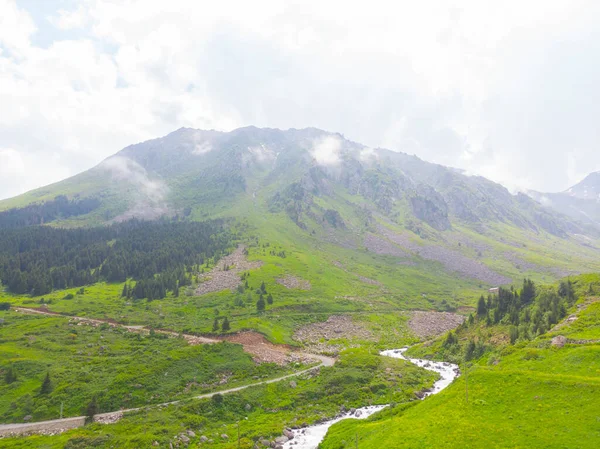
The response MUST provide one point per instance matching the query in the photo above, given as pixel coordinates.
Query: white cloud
(11, 162)
(489, 87)
(125, 169)
(327, 151)
(20, 172)
(149, 195)
(67, 20)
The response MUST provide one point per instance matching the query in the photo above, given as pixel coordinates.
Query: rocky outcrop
(429, 206)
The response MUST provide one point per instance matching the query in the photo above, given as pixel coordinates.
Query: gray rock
(203, 439)
(559, 341)
(225, 436)
(191, 433)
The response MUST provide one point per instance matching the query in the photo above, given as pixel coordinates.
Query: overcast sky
(509, 90)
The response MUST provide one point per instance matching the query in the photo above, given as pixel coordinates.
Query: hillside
(314, 192)
(536, 393)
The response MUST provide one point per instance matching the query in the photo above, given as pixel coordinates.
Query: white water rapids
(310, 437)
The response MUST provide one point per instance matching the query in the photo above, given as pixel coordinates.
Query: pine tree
(260, 304)
(481, 307)
(225, 327)
(10, 376)
(470, 350)
(270, 299)
(46, 385)
(451, 339)
(263, 287)
(91, 409)
(125, 291)
(514, 334)
(215, 327)
(528, 291)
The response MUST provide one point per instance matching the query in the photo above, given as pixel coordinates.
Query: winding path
(60, 425)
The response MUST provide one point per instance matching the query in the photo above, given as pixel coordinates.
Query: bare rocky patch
(376, 244)
(432, 324)
(452, 260)
(293, 282)
(318, 336)
(262, 351)
(226, 273)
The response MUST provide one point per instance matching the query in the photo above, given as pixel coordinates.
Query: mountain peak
(588, 188)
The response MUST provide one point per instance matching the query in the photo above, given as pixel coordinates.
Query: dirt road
(251, 341)
(56, 426)
(255, 344)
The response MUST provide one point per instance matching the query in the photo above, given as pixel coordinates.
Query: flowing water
(310, 437)
(447, 371)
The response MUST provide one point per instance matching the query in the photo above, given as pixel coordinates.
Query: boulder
(559, 341)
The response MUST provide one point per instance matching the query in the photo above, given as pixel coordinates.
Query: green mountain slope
(316, 192)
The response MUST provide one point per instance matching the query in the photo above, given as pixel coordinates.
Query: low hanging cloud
(326, 151)
(150, 195)
(202, 148)
(368, 155)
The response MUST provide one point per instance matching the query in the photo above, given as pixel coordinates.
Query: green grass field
(120, 369)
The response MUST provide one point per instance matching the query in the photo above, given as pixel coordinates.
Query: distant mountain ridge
(588, 189)
(581, 201)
